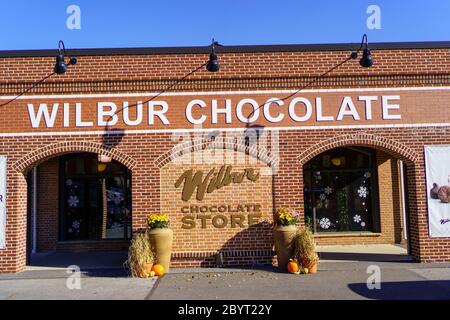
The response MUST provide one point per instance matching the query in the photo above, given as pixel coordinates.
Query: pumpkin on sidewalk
(158, 269)
(293, 267)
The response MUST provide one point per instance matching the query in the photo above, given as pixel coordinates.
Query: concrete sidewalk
(51, 284)
(342, 275)
(342, 280)
(335, 280)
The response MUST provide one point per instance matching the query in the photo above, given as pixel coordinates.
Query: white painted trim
(34, 192)
(145, 131)
(403, 199)
(210, 93)
(3, 209)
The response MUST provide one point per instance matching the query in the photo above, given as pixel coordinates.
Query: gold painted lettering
(203, 218)
(212, 181)
(237, 219)
(216, 224)
(188, 222)
(253, 218)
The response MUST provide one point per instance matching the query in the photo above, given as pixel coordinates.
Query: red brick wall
(254, 65)
(48, 206)
(146, 181)
(143, 153)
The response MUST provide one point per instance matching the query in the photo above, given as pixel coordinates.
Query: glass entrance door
(81, 204)
(95, 199)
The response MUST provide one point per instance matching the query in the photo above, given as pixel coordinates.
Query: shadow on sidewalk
(375, 257)
(405, 290)
(92, 264)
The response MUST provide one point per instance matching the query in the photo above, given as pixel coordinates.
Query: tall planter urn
(161, 240)
(284, 246)
(283, 235)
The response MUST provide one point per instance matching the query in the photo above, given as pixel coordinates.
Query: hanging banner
(437, 164)
(2, 202)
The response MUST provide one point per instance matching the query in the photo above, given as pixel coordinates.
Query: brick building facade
(366, 126)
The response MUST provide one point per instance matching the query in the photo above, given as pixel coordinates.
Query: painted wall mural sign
(437, 162)
(2, 202)
(218, 215)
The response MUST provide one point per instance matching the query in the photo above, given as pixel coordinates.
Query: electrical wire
(305, 86)
(161, 92)
(28, 90)
(352, 56)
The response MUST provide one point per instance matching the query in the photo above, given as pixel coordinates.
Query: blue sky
(39, 24)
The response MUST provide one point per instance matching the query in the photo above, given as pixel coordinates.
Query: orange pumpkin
(293, 266)
(158, 269)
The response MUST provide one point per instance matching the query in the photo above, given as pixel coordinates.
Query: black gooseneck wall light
(213, 63)
(367, 60)
(60, 65)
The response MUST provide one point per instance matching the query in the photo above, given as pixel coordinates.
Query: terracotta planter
(312, 266)
(283, 236)
(161, 241)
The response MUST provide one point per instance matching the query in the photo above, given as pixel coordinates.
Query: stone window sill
(346, 234)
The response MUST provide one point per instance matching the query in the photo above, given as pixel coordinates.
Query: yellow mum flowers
(284, 218)
(156, 220)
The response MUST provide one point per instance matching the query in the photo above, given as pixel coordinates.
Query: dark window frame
(62, 201)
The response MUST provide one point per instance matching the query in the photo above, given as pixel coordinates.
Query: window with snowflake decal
(344, 198)
(328, 190)
(325, 223)
(73, 201)
(363, 192)
(96, 203)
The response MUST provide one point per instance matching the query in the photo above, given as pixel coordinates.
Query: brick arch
(229, 143)
(49, 151)
(389, 146)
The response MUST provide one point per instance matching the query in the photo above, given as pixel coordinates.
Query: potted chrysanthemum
(283, 232)
(161, 238)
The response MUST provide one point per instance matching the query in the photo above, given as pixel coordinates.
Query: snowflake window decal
(325, 223)
(73, 201)
(363, 192)
(363, 224)
(357, 218)
(76, 225)
(367, 175)
(322, 196)
(328, 190)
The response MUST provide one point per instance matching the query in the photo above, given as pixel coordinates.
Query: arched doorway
(355, 195)
(78, 203)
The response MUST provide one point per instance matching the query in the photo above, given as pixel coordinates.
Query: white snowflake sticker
(76, 224)
(328, 190)
(363, 192)
(367, 175)
(322, 196)
(325, 223)
(69, 182)
(357, 218)
(73, 201)
(363, 224)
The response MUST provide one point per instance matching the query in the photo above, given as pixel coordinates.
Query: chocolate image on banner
(437, 160)
(2, 202)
